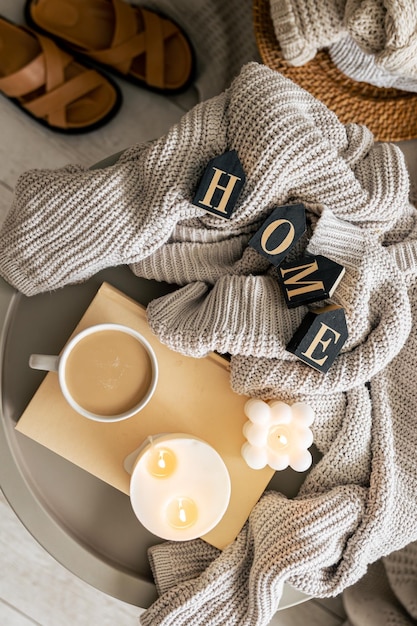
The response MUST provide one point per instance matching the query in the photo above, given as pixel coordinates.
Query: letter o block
(280, 232)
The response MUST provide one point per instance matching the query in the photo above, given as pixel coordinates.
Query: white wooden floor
(34, 588)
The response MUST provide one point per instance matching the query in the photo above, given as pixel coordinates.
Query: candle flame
(161, 463)
(181, 513)
(283, 439)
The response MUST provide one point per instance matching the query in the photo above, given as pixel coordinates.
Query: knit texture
(247, 316)
(387, 594)
(67, 224)
(304, 27)
(401, 570)
(358, 503)
(362, 67)
(386, 29)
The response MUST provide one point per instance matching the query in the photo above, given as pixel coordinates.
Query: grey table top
(84, 523)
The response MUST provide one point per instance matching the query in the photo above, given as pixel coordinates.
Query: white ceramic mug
(102, 373)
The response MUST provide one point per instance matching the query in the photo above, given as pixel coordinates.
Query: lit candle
(182, 512)
(161, 462)
(278, 435)
(179, 486)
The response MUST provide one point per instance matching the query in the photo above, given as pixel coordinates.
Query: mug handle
(45, 362)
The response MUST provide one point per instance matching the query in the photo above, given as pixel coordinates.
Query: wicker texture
(391, 114)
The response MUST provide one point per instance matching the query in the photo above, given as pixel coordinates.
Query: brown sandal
(133, 42)
(47, 84)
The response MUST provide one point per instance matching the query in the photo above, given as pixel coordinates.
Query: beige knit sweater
(359, 502)
(387, 29)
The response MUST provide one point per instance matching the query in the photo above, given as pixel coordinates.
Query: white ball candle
(179, 487)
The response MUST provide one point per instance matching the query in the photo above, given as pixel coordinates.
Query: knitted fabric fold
(234, 591)
(247, 315)
(67, 224)
(385, 29)
(365, 410)
(302, 28)
(363, 67)
(387, 594)
(359, 502)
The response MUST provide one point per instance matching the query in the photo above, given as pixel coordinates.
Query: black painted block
(280, 232)
(320, 337)
(220, 185)
(309, 279)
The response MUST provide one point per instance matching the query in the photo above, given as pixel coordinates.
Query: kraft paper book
(192, 396)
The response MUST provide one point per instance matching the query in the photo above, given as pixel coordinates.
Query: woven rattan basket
(390, 114)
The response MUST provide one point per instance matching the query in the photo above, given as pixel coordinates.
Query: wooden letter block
(320, 337)
(309, 279)
(280, 232)
(221, 185)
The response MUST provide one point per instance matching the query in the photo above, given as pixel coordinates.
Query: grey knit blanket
(359, 502)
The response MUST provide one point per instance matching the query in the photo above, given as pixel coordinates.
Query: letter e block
(280, 232)
(309, 279)
(221, 185)
(320, 337)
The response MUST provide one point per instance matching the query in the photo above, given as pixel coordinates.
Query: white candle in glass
(179, 487)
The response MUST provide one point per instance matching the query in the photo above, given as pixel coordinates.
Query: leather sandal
(47, 84)
(135, 43)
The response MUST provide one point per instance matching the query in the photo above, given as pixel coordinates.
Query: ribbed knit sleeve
(67, 224)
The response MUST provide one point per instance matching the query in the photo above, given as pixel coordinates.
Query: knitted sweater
(359, 502)
(387, 594)
(387, 29)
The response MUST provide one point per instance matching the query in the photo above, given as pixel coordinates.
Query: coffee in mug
(106, 372)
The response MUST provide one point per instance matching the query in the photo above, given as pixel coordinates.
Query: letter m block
(309, 279)
(220, 185)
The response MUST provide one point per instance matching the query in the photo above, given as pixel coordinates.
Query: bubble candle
(278, 435)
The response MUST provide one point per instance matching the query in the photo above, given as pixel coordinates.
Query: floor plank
(37, 589)
(10, 616)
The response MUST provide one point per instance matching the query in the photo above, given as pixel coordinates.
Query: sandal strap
(127, 44)
(55, 62)
(25, 80)
(125, 22)
(65, 94)
(124, 43)
(154, 35)
(45, 69)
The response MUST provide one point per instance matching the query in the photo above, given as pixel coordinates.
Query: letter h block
(320, 337)
(220, 185)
